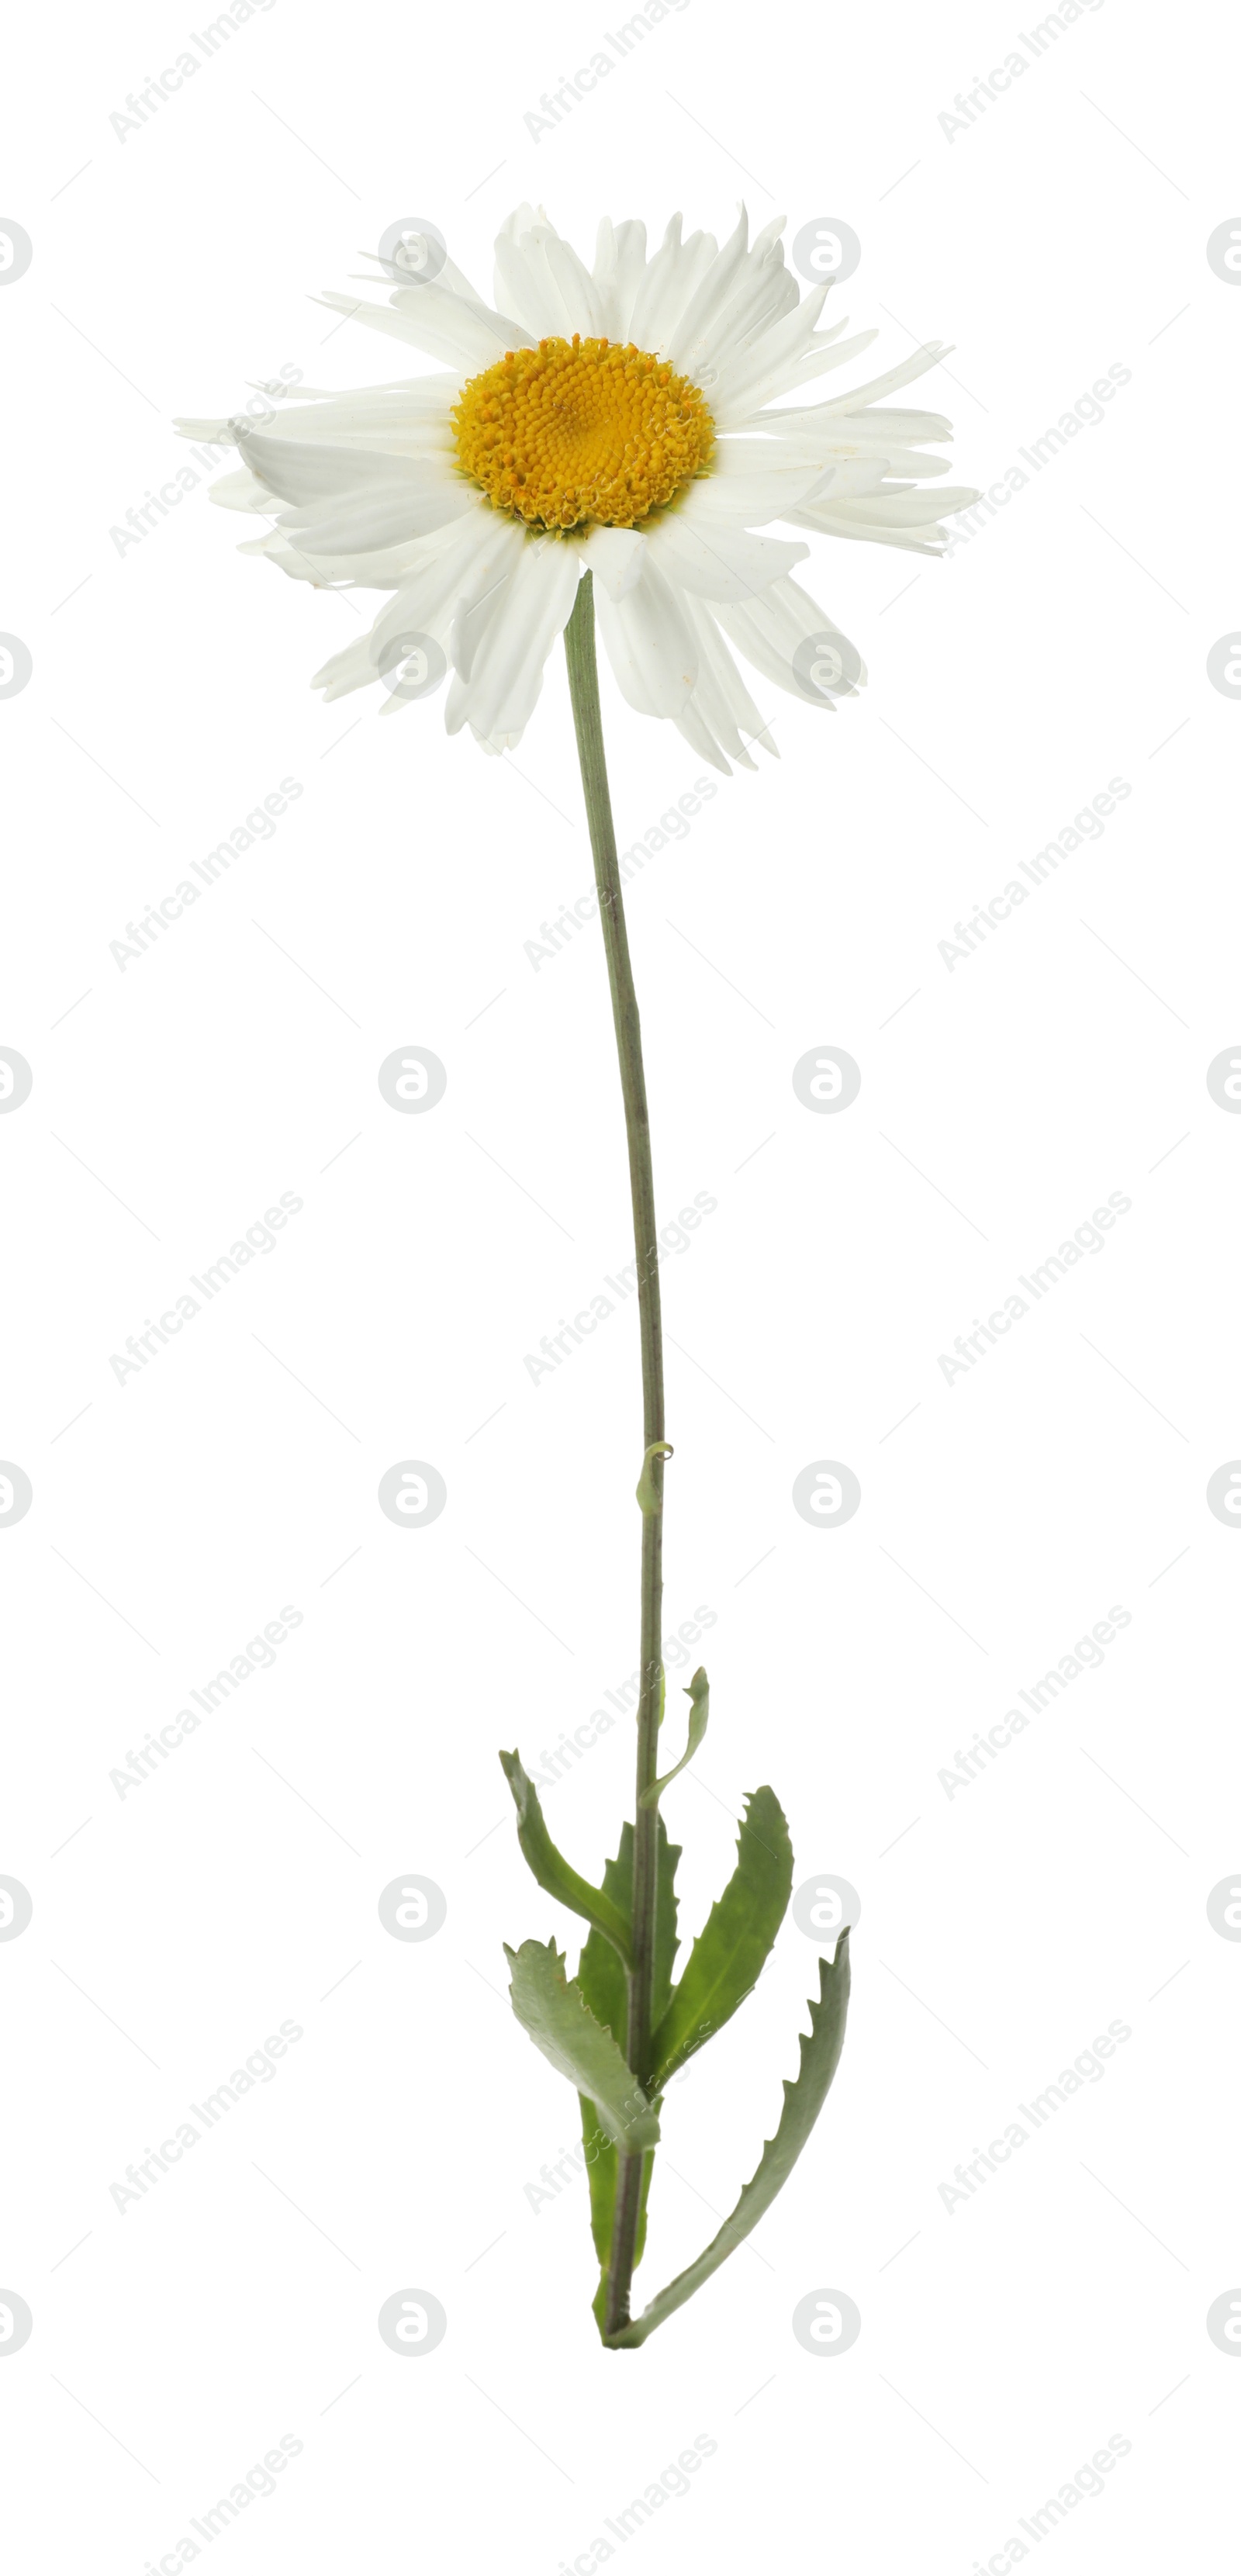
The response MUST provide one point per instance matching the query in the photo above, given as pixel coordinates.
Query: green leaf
(551, 1869)
(803, 2101)
(699, 1695)
(562, 2025)
(603, 1983)
(728, 1955)
(647, 1493)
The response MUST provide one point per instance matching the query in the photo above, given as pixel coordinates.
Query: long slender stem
(584, 690)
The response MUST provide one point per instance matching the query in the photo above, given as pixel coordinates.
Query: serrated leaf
(559, 2020)
(699, 1696)
(728, 1955)
(552, 1870)
(803, 2101)
(604, 1985)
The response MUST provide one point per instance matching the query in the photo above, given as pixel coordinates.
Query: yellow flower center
(582, 430)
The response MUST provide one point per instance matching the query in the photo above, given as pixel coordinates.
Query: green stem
(584, 691)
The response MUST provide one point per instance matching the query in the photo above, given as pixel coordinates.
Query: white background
(1061, 233)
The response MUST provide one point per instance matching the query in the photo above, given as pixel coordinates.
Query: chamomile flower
(627, 419)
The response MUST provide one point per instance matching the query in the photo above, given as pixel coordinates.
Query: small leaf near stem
(552, 1870)
(560, 2022)
(699, 1696)
(649, 1495)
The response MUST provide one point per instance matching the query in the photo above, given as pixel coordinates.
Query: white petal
(927, 356)
(721, 696)
(447, 566)
(895, 509)
(769, 629)
(540, 278)
(370, 521)
(615, 556)
(620, 266)
(786, 357)
(533, 608)
(751, 480)
(300, 472)
(670, 281)
(241, 491)
(763, 299)
(819, 424)
(650, 643)
(692, 723)
(719, 562)
(431, 319)
(687, 341)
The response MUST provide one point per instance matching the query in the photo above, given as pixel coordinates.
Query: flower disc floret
(579, 432)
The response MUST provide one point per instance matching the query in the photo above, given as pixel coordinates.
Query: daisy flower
(627, 419)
